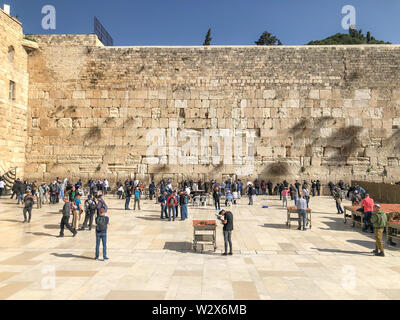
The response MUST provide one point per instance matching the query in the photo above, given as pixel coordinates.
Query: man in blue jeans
(162, 199)
(128, 195)
(184, 199)
(302, 210)
(101, 233)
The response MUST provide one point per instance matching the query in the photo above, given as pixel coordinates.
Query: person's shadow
(70, 255)
(42, 234)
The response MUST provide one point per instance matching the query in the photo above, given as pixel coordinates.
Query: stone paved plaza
(152, 258)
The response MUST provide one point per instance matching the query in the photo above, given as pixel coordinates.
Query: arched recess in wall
(11, 53)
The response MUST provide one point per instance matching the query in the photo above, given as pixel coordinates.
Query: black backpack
(101, 224)
(92, 206)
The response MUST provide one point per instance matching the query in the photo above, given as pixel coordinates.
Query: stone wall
(325, 112)
(13, 112)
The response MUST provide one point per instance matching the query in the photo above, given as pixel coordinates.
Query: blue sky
(233, 22)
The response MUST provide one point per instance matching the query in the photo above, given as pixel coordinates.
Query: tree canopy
(208, 38)
(267, 39)
(353, 37)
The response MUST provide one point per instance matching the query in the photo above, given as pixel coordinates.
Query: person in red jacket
(368, 204)
(172, 203)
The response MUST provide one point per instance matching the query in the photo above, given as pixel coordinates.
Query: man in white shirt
(2, 186)
(235, 197)
(187, 190)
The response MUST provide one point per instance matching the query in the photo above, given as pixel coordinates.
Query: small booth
(204, 232)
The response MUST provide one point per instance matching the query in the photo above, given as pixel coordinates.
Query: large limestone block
(362, 94)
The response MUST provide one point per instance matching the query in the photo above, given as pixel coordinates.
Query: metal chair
(196, 201)
(203, 200)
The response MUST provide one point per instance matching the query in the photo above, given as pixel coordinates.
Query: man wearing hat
(379, 221)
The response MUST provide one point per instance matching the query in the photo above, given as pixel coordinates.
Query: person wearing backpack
(172, 203)
(379, 221)
(184, 199)
(137, 198)
(101, 205)
(90, 208)
(101, 233)
(28, 203)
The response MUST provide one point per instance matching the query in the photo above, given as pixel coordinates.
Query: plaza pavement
(152, 258)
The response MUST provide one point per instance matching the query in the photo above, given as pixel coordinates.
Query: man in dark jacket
(21, 189)
(66, 212)
(128, 194)
(269, 184)
(318, 187)
(28, 202)
(162, 200)
(217, 197)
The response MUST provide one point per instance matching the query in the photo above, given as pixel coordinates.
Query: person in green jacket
(379, 221)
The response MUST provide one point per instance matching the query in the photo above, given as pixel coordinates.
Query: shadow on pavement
(70, 255)
(52, 226)
(344, 251)
(179, 246)
(42, 234)
(151, 218)
(275, 226)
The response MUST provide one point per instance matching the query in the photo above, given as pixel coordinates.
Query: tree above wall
(353, 37)
(267, 39)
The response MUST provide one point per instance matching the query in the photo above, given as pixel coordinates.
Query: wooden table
(291, 210)
(357, 217)
(393, 227)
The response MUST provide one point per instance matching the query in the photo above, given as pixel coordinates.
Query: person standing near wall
(162, 200)
(306, 193)
(137, 198)
(28, 202)
(227, 230)
(128, 195)
(318, 187)
(285, 194)
(102, 222)
(172, 203)
(184, 199)
(90, 208)
(250, 193)
(302, 211)
(2, 186)
(368, 204)
(152, 189)
(217, 197)
(77, 212)
(66, 212)
(337, 194)
(379, 221)
(20, 189)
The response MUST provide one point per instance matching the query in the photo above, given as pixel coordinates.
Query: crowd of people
(71, 194)
(174, 198)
